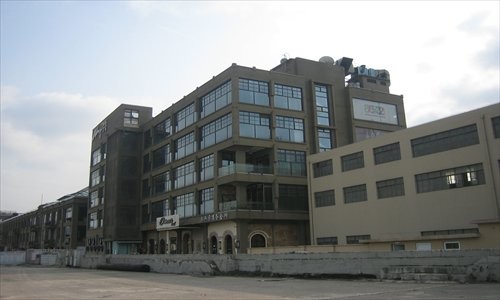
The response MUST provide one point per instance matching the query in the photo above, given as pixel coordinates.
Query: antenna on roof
(284, 58)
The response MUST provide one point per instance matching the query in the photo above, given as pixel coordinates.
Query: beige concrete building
(431, 187)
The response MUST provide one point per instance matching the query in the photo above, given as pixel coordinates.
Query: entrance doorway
(186, 243)
(162, 246)
(229, 244)
(213, 245)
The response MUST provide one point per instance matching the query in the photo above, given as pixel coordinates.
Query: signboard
(374, 111)
(99, 130)
(214, 217)
(167, 222)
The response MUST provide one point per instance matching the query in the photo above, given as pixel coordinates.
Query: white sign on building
(167, 222)
(374, 111)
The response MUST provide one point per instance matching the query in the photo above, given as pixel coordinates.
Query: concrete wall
(12, 258)
(469, 265)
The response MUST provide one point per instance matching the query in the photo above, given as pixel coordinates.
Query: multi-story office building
(431, 187)
(224, 168)
(55, 225)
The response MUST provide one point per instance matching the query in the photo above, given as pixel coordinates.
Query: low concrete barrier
(12, 258)
(462, 266)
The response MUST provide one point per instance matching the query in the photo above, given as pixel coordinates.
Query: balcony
(245, 173)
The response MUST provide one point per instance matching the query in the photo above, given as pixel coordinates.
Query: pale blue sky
(65, 65)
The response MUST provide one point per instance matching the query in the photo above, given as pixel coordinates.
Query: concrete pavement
(19, 282)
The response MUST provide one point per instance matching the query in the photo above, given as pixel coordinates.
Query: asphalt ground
(23, 282)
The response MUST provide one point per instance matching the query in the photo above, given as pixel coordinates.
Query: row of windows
(350, 239)
(251, 92)
(434, 143)
(426, 182)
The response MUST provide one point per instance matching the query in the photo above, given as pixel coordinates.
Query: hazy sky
(66, 65)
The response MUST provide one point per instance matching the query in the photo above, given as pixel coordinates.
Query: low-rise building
(433, 186)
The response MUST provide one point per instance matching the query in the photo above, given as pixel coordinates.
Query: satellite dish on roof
(327, 60)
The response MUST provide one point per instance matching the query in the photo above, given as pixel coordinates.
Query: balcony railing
(244, 168)
(234, 205)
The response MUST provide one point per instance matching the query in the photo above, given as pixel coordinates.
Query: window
(259, 197)
(390, 188)
(94, 198)
(322, 107)
(323, 168)
(325, 139)
(93, 220)
(162, 156)
(162, 130)
(184, 205)
(146, 188)
(185, 145)
(95, 178)
(356, 239)
(254, 92)
(287, 97)
(184, 175)
(356, 193)
(161, 183)
(292, 197)
(387, 153)
(157, 210)
(331, 240)
(146, 164)
(367, 133)
(352, 161)
(215, 100)
(451, 245)
(444, 141)
(207, 167)
(496, 126)
(257, 241)
(289, 129)
(145, 216)
(216, 131)
(96, 157)
(450, 232)
(397, 246)
(326, 198)
(206, 201)
(255, 125)
(147, 139)
(131, 118)
(450, 178)
(185, 117)
(291, 163)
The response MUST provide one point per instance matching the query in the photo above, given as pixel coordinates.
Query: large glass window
(387, 153)
(206, 201)
(184, 205)
(161, 183)
(259, 197)
(325, 198)
(157, 210)
(287, 97)
(95, 178)
(215, 100)
(207, 167)
(131, 118)
(96, 157)
(291, 163)
(289, 129)
(322, 106)
(93, 220)
(292, 197)
(496, 126)
(162, 130)
(446, 140)
(390, 188)
(216, 131)
(325, 139)
(356, 193)
(184, 175)
(185, 117)
(162, 156)
(255, 125)
(450, 178)
(323, 168)
(352, 161)
(94, 198)
(254, 92)
(185, 145)
(331, 240)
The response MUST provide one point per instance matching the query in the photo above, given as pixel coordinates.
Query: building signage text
(375, 111)
(99, 130)
(167, 222)
(214, 217)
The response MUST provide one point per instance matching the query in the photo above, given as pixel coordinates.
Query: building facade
(431, 187)
(224, 168)
(56, 225)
